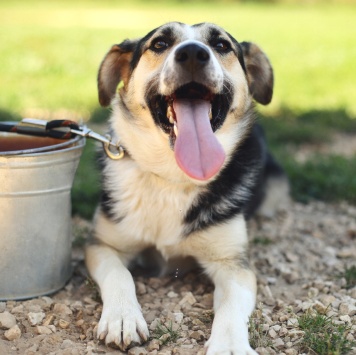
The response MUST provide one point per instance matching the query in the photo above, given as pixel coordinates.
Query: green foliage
(327, 178)
(165, 333)
(323, 336)
(323, 177)
(350, 276)
(86, 187)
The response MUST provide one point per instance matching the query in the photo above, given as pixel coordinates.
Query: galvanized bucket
(36, 177)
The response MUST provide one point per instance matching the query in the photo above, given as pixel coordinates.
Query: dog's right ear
(114, 68)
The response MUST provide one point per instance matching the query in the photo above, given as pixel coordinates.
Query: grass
(323, 177)
(165, 333)
(350, 276)
(59, 45)
(323, 336)
(52, 50)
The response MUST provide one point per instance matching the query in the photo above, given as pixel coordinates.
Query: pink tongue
(197, 151)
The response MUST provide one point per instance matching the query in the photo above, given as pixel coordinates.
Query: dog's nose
(192, 54)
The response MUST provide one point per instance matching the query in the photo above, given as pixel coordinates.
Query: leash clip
(120, 152)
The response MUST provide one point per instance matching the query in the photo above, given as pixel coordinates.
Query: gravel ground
(299, 257)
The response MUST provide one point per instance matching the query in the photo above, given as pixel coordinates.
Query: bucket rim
(46, 149)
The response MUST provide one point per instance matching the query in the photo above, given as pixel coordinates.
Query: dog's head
(187, 89)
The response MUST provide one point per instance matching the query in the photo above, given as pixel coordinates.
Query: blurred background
(50, 52)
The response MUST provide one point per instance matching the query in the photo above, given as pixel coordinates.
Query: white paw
(229, 342)
(122, 325)
(217, 348)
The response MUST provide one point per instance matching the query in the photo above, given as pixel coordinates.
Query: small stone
(283, 331)
(198, 335)
(2, 307)
(178, 317)
(60, 308)
(13, 333)
(291, 352)
(319, 307)
(7, 320)
(262, 351)
(278, 343)
(67, 344)
(346, 318)
(295, 334)
(188, 298)
(141, 288)
(276, 327)
(292, 322)
(49, 319)
(291, 257)
(327, 300)
(164, 338)
(35, 318)
(18, 309)
(137, 351)
(172, 294)
(272, 333)
(347, 309)
(346, 253)
(63, 324)
(42, 329)
(153, 345)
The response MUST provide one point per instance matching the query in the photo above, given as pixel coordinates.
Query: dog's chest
(152, 209)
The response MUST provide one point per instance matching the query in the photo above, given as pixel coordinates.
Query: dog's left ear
(114, 68)
(259, 73)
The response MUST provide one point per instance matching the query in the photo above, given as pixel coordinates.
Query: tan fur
(153, 194)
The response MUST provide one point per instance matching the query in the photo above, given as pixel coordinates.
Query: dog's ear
(114, 68)
(259, 73)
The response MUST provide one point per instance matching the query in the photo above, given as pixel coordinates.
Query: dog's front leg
(221, 251)
(121, 322)
(234, 301)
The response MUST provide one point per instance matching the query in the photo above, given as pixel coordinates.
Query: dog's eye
(159, 45)
(222, 46)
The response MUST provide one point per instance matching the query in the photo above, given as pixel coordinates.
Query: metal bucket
(36, 177)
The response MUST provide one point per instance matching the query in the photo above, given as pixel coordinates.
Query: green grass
(323, 177)
(167, 332)
(323, 336)
(350, 276)
(51, 50)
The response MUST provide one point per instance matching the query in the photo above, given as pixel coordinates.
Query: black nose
(192, 54)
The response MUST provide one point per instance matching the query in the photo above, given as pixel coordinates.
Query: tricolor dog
(195, 166)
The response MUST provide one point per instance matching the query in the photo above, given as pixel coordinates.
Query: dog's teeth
(170, 114)
(175, 129)
(210, 113)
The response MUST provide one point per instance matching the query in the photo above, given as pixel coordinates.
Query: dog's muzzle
(193, 103)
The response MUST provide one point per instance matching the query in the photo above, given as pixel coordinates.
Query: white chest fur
(151, 209)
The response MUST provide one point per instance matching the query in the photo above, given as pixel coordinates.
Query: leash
(63, 129)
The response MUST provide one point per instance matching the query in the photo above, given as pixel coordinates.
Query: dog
(195, 167)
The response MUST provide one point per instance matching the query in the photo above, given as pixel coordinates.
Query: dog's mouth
(190, 116)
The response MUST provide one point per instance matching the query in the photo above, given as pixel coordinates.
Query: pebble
(278, 343)
(13, 333)
(43, 329)
(188, 298)
(197, 335)
(35, 318)
(7, 320)
(2, 307)
(137, 351)
(347, 309)
(60, 308)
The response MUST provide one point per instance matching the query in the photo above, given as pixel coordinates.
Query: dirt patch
(299, 258)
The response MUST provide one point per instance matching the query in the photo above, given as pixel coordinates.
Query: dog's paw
(122, 326)
(219, 347)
